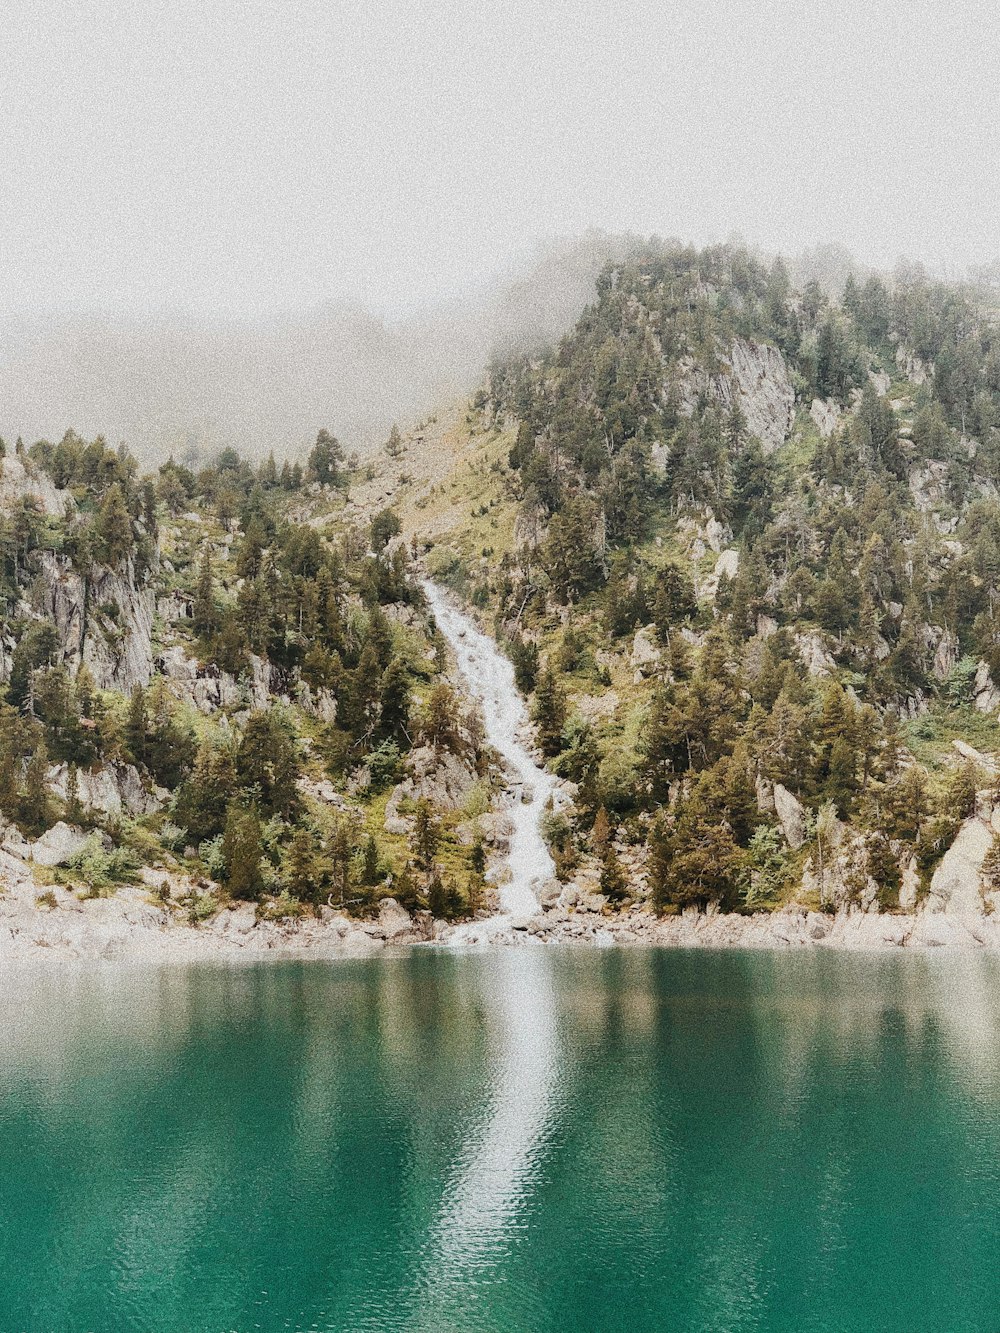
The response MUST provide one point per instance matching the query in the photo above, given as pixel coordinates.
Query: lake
(524, 1140)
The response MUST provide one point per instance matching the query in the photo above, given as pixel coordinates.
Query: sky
(239, 158)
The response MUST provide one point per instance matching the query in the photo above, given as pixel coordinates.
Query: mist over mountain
(190, 385)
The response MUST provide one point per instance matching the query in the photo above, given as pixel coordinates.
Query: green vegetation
(311, 672)
(847, 632)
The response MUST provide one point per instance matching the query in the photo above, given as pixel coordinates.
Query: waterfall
(489, 679)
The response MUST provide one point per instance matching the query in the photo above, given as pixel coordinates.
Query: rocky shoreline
(132, 927)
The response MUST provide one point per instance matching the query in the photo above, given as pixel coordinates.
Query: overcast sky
(243, 156)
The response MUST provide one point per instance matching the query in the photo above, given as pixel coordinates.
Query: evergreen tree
(113, 539)
(549, 712)
(205, 618)
(137, 726)
(241, 852)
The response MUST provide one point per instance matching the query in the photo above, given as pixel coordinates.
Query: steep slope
(743, 547)
(227, 687)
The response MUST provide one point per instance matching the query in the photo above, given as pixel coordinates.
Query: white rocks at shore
(134, 926)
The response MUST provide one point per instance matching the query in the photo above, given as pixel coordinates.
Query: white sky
(243, 156)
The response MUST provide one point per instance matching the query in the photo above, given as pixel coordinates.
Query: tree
(325, 459)
(549, 712)
(241, 853)
(385, 525)
(205, 618)
(394, 694)
(268, 764)
(137, 726)
(113, 540)
(693, 858)
(370, 867)
(35, 801)
(991, 866)
(614, 884)
(439, 723)
(425, 835)
(304, 868)
(37, 647)
(204, 797)
(170, 748)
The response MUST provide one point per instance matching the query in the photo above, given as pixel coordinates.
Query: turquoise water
(525, 1141)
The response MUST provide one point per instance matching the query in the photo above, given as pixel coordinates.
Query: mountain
(740, 538)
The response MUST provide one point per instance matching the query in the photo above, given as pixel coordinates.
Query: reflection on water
(527, 1140)
(482, 1212)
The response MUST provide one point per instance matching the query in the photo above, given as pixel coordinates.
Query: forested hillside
(740, 540)
(752, 579)
(227, 686)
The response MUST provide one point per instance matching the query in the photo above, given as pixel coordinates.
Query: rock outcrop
(791, 816)
(438, 776)
(20, 479)
(645, 657)
(113, 790)
(755, 378)
(105, 621)
(956, 885)
(58, 845)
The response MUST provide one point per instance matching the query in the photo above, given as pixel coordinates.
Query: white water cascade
(489, 678)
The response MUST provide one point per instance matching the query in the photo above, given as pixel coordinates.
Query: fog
(190, 384)
(239, 220)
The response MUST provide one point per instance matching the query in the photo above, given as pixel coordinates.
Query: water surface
(527, 1140)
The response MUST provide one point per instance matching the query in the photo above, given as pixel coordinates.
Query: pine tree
(370, 873)
(205, 617)
(549, 712)
(601, 832)
(74, 808)
(35, 801)
(425, 835)
(241, 852)
(304, 869)
(137, 726)
(614, 884)
(113, 528)
(394, 693)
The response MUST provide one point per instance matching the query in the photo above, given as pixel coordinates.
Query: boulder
(826, 415)
(645, 657)
(394, 920)
(57, 845)
(550, 893)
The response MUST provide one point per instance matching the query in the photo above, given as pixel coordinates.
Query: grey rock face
(105, 621)
(791, 816)
(114, 789)
(21, 480)
(754, 378)
(57, 845)
(956, 885)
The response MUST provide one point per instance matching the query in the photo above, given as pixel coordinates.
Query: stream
(489, 679)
